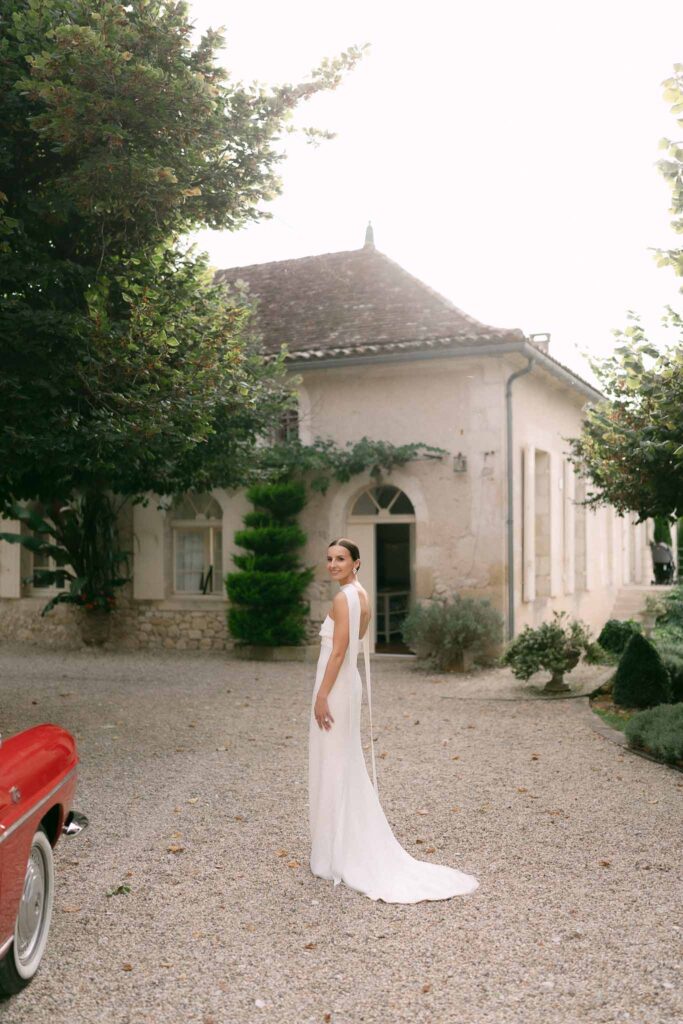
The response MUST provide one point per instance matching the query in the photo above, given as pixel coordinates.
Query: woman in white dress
(351, 839)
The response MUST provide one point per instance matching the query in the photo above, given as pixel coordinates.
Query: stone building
(382, 355)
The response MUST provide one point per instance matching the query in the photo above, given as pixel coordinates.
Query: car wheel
(22, 960)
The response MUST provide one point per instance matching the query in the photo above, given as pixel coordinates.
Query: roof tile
(347, 303)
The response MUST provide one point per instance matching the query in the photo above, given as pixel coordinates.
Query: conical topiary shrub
(641, 680)
(268, 608)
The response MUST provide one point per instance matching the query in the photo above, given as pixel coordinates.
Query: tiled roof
(353, 303)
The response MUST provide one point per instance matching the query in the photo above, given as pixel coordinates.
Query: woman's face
(340, 564)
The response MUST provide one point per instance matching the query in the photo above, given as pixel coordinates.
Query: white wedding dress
(351, 839)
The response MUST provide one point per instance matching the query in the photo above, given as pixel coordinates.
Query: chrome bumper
(74, 824)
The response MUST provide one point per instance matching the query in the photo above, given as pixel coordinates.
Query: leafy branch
(324, 460)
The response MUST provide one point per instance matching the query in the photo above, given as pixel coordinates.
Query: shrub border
(608, 732)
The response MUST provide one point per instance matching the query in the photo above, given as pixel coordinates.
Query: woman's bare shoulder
(339, 604)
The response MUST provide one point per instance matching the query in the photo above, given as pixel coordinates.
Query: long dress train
(351, 839)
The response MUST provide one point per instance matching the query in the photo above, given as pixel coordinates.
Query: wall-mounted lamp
(459, 463)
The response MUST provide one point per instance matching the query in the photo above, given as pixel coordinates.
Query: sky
(504, 151)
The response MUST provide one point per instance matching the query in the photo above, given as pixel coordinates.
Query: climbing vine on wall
(324, 461)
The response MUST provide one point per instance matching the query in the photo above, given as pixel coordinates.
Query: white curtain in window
(190, 549)
(217, 561)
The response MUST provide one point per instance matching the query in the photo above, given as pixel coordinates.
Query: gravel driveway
(194, 778)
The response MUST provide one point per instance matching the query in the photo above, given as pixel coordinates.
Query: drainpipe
(510, 510)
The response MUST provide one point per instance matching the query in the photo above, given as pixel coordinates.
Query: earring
(355, 570)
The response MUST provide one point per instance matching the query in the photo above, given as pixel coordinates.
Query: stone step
(630, 600)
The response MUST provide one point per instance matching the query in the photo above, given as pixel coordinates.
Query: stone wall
(137, 625)
(150, 625)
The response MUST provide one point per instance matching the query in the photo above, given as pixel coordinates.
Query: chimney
(541, 341)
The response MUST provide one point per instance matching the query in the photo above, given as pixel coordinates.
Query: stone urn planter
(556, 683)
(94, 626)
(556, 646)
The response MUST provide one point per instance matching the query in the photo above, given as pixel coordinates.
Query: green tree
(124, 369)
(631, 446)
(267, 592)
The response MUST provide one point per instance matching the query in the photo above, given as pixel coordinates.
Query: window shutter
(10, 561)
(148, 564)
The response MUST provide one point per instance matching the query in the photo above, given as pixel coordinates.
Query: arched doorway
(382, 522)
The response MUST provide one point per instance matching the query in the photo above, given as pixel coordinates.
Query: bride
(351, 839)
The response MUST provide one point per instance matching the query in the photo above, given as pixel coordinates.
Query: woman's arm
(340, 643)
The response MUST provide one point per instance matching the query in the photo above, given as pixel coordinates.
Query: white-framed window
(197, 522)
(287, 428)
(382, 501)
(32, 560)
(40, 560)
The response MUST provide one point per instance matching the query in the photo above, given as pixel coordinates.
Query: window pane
(403, 506)
(192, 505)
(364, 506)
(383, 495)
(190, 559)
(41, 560)
(209, 507)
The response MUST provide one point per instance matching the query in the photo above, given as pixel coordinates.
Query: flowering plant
(91, 601)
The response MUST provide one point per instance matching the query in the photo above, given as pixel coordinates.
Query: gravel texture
(194, 778)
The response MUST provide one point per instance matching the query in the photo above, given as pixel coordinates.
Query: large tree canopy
(122, 367)
(631, 447)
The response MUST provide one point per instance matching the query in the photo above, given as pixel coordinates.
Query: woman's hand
(322, 714)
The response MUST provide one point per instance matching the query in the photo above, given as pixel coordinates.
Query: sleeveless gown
(351, 839)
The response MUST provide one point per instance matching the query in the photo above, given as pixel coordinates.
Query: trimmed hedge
(641, 680)
(273, 539)
(659, 731)
(616, 633)
(672, 659)
(267, 604)
(266, 588)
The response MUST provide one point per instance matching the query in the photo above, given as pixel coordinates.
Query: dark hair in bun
(344, 542)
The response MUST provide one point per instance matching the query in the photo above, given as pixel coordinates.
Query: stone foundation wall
(144, 625)
(136, 625)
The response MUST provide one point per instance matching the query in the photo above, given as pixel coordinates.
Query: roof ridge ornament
(369, 237)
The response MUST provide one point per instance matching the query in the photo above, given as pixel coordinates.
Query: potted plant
(81, 542)
(555, 646)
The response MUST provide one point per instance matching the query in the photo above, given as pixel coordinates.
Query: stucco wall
(588, 560)
(460, 517)
(451, 404)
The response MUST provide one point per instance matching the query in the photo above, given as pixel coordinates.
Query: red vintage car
(38, 771)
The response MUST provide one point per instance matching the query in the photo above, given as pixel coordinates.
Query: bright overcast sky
(505, 151)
